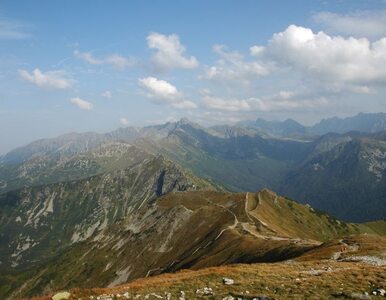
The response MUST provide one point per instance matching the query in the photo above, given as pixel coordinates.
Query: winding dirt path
(250, 227)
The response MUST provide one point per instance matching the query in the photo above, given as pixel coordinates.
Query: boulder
(61, 296)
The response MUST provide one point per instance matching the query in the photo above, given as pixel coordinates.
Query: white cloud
(286, 94)
(184, 104)
(232, 66)
(169, 52)
(328, 58)
(51, 79)
(218, 103)
(10, 29)
(280, 102)
(163, 92)
(359, 23)
(82, 104)
(160, 89)
(87, 57)
(107, 95)
(117, 61)
(256, 50)
(124, 121)
(360, 89)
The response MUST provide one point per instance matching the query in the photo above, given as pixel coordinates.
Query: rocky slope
(37, 223)
(48, 168)
(191, 230)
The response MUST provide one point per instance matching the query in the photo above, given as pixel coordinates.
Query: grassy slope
(277, 281)
(314, 275)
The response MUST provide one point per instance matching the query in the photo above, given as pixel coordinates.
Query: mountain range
(89, 209)
(342, 174)
(363, 122)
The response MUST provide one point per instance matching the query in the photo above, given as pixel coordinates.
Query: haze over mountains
(134, 194)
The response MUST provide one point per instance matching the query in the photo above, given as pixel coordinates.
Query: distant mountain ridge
(287, 127)
(362, 122)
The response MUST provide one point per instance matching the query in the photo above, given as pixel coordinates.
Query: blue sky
(97, 65)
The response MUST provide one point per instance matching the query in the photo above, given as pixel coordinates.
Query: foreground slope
(325, 279)
(192, 230)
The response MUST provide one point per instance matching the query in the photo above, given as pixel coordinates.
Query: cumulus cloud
(256, 50)
(359, 23)
(232, 66)
(124, 121)
(329, 58)
(82, 104)
(163, 92)
(169, 52)
(107, 95)
(117, 61)
(50, 79)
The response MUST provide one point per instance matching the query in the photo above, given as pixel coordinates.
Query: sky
(76, 66)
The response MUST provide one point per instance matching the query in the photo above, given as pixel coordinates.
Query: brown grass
(291, 280)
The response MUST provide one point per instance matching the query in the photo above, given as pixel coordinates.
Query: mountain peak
(186, 122)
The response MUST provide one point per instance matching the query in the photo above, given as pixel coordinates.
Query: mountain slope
(38, 222)
(228, 228)
(287, 128)
(311, 279)
(345, 176)
(238, 162)
(64, 145)
(50, 168)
